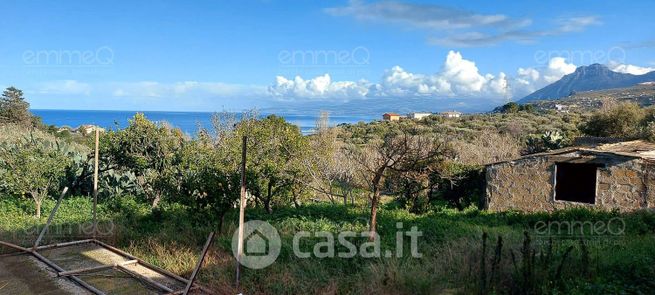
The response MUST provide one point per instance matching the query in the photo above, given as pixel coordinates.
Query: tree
(512, 107)
(458, 184)
(328, 169)
(398, 151)
(145, 148)
(275, 148)
(32, 167)
(13, 108)
(206, 182)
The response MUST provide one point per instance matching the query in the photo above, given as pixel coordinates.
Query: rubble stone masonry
(527, 184)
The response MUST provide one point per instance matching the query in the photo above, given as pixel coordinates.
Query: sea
(188, 122)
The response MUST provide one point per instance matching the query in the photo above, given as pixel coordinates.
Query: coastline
(188, 122)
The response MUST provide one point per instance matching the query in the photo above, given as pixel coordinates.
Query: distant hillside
(642, 94)
(586, 78)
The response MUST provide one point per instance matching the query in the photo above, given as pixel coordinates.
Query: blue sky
(214, 55)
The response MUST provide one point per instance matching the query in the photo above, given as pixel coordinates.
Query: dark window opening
(575, 182)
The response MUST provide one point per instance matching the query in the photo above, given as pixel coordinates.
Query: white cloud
(473, 39)
(577, 24)
(529, 74)
(429, 16)
(528, 80)
(72, 87)
(449, 26)
(183, 89)
(557, 68)
(138, 89)
(458, 77)
(477, 38)
(398, 82)
(498, 85)
(629, 69)
(321, 87)
(462, 74)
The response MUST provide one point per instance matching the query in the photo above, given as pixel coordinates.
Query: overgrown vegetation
(164, 191)
(625, 120)
(451, 247)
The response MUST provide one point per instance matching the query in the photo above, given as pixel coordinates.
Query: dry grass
(14, 133)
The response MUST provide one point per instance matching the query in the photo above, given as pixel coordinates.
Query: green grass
(172, 237)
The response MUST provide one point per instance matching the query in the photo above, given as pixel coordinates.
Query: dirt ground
(110, 281)
(24, 274)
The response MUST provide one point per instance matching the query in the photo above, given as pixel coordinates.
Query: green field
(622, 261)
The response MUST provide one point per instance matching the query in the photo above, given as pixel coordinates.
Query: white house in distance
(451, 114)
(418, 116)
(88, 129)
(562, 108)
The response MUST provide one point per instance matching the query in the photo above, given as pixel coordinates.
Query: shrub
(32, 167)
(620, 121)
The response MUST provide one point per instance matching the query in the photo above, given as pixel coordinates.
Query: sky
(296, 55)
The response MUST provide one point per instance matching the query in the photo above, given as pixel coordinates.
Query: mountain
(585, 78)
(375, 107)
(642, 94)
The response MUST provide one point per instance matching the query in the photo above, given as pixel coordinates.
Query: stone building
(609, 176)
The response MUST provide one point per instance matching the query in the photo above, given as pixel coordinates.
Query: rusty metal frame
(96, 268)
(73, 278)
(199, 263)
(146, 279)
(50, 218)
(71, 274)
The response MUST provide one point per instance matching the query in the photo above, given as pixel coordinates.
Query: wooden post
(242, 209)
(52, 216)
(199, 263)
(95, 183)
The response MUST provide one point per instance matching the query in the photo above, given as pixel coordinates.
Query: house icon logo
(261, 244)
(257, 244)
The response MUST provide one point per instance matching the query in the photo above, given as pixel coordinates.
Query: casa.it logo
(261, 244)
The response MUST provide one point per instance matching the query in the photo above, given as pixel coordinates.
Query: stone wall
(527, 184)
